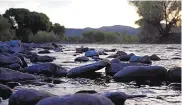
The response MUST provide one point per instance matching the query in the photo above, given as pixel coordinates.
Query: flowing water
(156, 95)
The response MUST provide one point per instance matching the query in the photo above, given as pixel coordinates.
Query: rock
(8, 75)
(112, 50)
(14, 66)
(8, 60)
(119, 98)
(4, 47)
(87, 69)
(81, 50)
(13, 84)
(57, 81)
(101, 53)
(125, 57)
(116, 66)
(154, 57)
(96, 58)
(15, 43)
(176, 58)
(175, 86)
(5, 92)
(48, 69)
(86, 91)
(17, 49)
(76, 99)
(44, 52)
(82, 59)
(55, 45)
(47, 46)
(91, 53)
(58, 49)
(22, 59)
(121, 53)
(139, 74)
(174, 74)
(113, 56)
(37, 58)
(143, 59)
(28, 97)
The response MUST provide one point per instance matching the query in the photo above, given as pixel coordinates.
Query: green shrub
(43, 36)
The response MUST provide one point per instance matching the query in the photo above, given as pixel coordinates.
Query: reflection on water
(156, 95)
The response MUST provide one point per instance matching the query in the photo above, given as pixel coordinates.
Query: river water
(156, 95)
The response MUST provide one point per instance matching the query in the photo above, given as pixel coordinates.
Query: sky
(80, 13)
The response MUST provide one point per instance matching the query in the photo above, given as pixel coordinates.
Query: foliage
(6, 33)
(43, 36)
(157, 18)
(58, 30)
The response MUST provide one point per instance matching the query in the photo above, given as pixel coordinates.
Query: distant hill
(115, 28)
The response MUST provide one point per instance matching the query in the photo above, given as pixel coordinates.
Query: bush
(43, 36)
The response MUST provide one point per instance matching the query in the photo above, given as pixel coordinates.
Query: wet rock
(4, 47)
(154, 57)
(176, 58)
(22, 59)
(112, 50)
(47, 46)
(58, 49)
(141, 74)
(101, 53)
(57, 81)
(125, 57)
(113, 56)
(174, 74)
(14, 66)
(116, 66)
(143, 59)
(175, 86)
(87, 91)
(37, 58)
(119, 98)
(81, 50)
(28, 97)
(13, 84)
(91, 53)
(8, 75)
(8, 60)
(76, 99)
(82, 59)
(121, 53)
(96, 58)
(15, 43)
(47, 69)
(5, 92)
(87, 69)
(44, 52)
(55, 45)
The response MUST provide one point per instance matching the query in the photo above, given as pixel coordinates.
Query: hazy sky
(79, 13)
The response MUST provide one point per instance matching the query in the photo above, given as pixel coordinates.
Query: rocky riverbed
(53, 68)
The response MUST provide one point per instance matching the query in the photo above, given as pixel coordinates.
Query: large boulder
(5, 92)
(15, 43)
(141, 74)
(48, 69)
(154, 57)
(116, 66)
(4, 47)
(121, 53)
(174, 74)
(81, 50)
(125, 57)
(91, 53)
(9, 59)
(28, 97)
(82, 59)
(76, 99)
(8, 75)
(141, 59)
(87, 69)
(38, 58)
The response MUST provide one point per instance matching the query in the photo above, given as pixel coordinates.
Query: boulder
(13, 84)
(113, 56)
(91, 53)
(15, 43)
(116, 66)
(76, 99)
(8, 75)
(38, 58)
(143, 59)
(48, 69)
(44, 52)
(121, 53)
(101, 53)
(4, 47)
(88, 69)
(22, 59)
(82, 59)
(28, 97)
(174, 74)
(141, 74)
(119, 98)
(87, 91)
(81, 50)
(154, 57)
(58, 49)
(112, 50)
(125, 57)
(5, 92)
(14, 66)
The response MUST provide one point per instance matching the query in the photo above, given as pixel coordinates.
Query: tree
(6, 33)
(58, 30)
(158, 16)
(26, 22)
